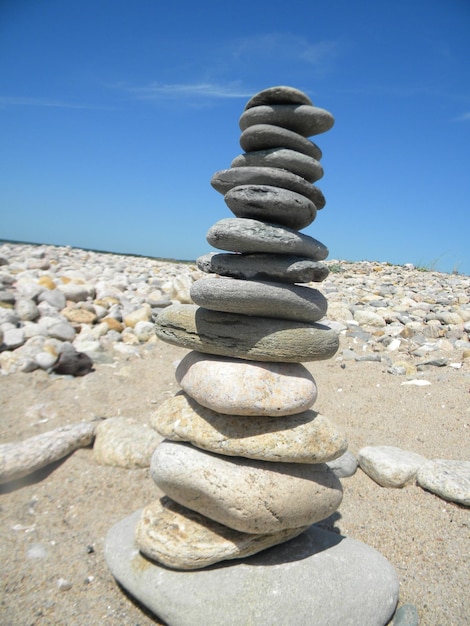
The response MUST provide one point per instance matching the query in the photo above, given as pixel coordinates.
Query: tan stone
(302, 438)
(139, 315)
(240, 387)
(46, 281)
(246, 495)
(113, 324)
(122, 442)
(79, 316)
(183, 539)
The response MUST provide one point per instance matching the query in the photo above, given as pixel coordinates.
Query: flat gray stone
(319, 578)
(279, 268)
(390, 466)
(122, 442)
(306, 437)
(281, 94)
(271, 204)
(247, 495)
(265, 136)
(447, 479)
(304, 119)
(243, 336)
(223, 180)
(246, 235)
(64, 331)
(240, 387)
(265, 299)
(180, 538)
(305, 166)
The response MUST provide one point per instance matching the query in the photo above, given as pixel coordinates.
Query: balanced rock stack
(243, 460)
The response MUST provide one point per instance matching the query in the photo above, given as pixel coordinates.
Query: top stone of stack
(278, 95)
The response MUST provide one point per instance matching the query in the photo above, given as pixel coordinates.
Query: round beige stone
(183, 539)
(246, 495)
(240, 387)
(302, 438)
(122, 442)
(79, 316)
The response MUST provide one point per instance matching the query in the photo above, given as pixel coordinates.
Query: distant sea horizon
(431, 267)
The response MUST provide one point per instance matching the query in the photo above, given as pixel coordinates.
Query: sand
(54, 523)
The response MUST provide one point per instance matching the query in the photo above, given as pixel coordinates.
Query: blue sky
(114, 114)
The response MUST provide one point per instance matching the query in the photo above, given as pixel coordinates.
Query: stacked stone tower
(244, 455)
(243, 462)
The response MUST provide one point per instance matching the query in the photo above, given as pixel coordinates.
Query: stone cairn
(243, 462)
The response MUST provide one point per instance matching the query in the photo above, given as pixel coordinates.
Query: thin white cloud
(285, 47)
(13, 101)
(156, 91)
(465, 117)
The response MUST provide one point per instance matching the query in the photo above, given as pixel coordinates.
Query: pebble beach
(401, 378)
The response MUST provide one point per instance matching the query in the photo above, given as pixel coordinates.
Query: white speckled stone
(240, 387)
(246, 495)
(390, 466)
(302, 438)
(447, 479)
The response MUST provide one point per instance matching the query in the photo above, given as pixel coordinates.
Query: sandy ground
(68, 508)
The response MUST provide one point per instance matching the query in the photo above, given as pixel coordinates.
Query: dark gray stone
(72, 362)
(271, 204)
(224, 180)
(245, 336)
(265, 299)
(303, 119)
(319, 578)
(265, 136)
(247, 235)
(305, 166)
(280, 268)
(278, 95)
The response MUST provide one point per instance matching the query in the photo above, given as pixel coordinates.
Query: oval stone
(278, 95)
(240, 387)
(183, 539)
(248, 235)
(244, 336)
(280, 268)
(296, 162)
(246, 495)
(303, 119)
(265, 299)
(271, 204)
(265, 136)
(306, 437)
(224, 180)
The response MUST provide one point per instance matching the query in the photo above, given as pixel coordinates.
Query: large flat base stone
(317, 579)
